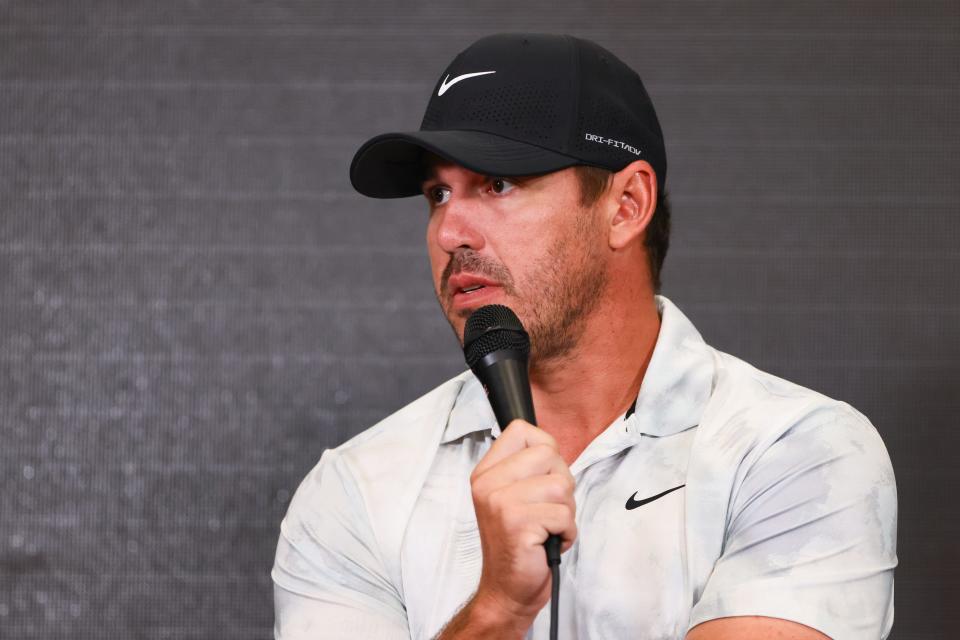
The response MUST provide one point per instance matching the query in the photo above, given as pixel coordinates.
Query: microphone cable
(553, 561)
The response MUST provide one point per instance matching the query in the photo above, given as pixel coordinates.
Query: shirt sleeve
(811, 534)
(329, 578)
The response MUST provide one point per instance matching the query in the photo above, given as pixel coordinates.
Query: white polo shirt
(777, 501)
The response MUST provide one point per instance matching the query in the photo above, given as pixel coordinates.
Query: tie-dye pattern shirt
(777, 501)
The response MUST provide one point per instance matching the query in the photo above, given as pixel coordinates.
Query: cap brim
(391, 165)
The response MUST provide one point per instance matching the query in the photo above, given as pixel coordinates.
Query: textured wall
(195, 304)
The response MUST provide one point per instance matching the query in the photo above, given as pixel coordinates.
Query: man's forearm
(480, 619)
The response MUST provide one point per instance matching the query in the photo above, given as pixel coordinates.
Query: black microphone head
(492, 328)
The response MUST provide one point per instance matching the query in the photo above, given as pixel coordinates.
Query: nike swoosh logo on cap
(446, 85)
(633, 504)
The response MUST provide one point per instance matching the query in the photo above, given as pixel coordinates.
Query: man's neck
(578, 396)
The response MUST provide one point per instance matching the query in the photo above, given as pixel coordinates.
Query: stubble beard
(567, 285)
(555, 301)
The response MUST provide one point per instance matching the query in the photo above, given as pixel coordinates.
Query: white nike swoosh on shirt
(446, 85)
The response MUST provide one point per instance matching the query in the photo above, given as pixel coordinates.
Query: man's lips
(466, 284)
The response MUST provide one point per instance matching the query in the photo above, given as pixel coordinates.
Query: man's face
(525, 243)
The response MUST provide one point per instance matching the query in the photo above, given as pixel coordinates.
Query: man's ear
(635, 190)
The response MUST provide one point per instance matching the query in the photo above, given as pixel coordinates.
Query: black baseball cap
(519, 104)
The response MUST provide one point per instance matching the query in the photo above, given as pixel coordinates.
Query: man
(695, 496)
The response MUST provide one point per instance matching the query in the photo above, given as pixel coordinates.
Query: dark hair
(595, 180)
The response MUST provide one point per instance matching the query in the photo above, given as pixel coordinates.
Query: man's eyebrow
(520, 180)
(430, 175)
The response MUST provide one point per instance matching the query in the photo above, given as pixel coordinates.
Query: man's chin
(458, 322)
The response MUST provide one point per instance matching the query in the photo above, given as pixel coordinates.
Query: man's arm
(481, 618)
(811, 536)
(753, 628)
(329, 578)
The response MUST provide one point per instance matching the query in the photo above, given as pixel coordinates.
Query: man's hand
(522, 493)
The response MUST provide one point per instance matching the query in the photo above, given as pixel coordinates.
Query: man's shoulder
(790, 504)
(370, 482)
(760, 431)
(420, 422)
(739, 382)
(755, 407)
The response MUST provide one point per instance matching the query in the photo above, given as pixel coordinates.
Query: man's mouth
(463, 283)
(467, 290)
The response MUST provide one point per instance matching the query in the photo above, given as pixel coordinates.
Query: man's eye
(499, 185)
(439, 195)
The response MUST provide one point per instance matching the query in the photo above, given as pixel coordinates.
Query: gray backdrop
(195, 304)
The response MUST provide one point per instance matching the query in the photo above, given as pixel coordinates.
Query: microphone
(497, 349)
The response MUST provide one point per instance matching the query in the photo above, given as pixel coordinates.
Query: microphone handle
(508, 389)
(504, 375)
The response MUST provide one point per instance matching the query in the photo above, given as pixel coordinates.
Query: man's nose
(459, 225)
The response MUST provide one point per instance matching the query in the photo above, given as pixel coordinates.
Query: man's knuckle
(517, 427)
(557, 491)
(544, 451)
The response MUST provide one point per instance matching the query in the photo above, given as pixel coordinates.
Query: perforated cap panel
(526, 111)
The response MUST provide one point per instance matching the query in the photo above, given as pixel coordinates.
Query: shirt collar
(471, 412)
(679, 378)
(673, 394)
